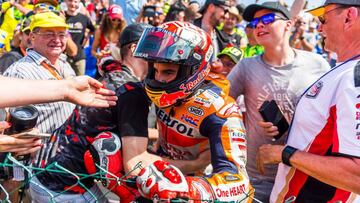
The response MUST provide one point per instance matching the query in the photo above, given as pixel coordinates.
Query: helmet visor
(159, 45)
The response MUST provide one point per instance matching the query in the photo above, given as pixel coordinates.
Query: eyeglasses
(49, 35)
(322, 17)
(265, 19)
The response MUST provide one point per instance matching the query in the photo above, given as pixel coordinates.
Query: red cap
(115, 12)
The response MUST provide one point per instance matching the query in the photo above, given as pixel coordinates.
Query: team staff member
(321, 159)
(281, 74)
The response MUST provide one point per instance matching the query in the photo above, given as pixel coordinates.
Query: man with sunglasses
(17, 53)
(212, 14)
(320, 162)
(281, 73)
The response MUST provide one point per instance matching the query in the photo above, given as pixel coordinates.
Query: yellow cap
(47, 20)
(317, 11)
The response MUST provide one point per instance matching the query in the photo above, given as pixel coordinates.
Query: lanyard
(23, 51)
(51, 70)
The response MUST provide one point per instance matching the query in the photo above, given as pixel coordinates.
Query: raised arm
(81, 90)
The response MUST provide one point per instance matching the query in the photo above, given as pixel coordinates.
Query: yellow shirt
(11, 19)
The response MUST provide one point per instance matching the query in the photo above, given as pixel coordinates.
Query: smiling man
(45, 62)
(281, 74)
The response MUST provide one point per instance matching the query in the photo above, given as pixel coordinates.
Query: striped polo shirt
(51, 115)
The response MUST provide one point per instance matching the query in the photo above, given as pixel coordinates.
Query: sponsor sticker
(314, 90)
(195, 111)
(189, 119)
(202, 101)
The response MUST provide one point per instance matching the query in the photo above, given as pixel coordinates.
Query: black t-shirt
(127, 118)
(7, 59)
(78, 25)
(234, 39)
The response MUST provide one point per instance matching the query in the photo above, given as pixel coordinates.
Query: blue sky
(312, 3)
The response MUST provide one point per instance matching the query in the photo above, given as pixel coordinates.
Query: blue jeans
(262, 189)
(40, 195)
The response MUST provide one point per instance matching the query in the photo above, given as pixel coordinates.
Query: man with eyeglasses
(48, 35)
(45, 61)
(281, 73)
(320, 162)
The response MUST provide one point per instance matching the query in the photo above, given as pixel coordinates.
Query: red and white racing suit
(209, 120)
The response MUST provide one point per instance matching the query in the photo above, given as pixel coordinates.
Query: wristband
(287, 153)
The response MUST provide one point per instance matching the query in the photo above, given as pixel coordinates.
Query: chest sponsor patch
(189, 119)
(202, 101)
(314, 90)
(195, 111)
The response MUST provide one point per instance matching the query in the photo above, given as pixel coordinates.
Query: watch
(287, 153)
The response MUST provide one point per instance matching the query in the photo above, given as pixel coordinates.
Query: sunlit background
(312, 3)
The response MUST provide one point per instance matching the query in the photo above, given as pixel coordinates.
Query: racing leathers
(208, 120)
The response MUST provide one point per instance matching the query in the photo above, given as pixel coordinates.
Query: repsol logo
(196, 111)
(174, 124)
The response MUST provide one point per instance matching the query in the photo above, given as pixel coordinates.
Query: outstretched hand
(86, 91)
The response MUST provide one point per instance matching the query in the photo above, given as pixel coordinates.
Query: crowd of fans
(97, 25)
(190, 76)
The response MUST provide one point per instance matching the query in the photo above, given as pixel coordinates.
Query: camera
(22, 119)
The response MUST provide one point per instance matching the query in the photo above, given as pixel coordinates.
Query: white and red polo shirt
(327, 123)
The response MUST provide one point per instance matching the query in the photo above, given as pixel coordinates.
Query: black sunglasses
(322, 17)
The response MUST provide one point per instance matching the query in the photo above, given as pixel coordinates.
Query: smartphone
(271, 112)
(33, 135)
